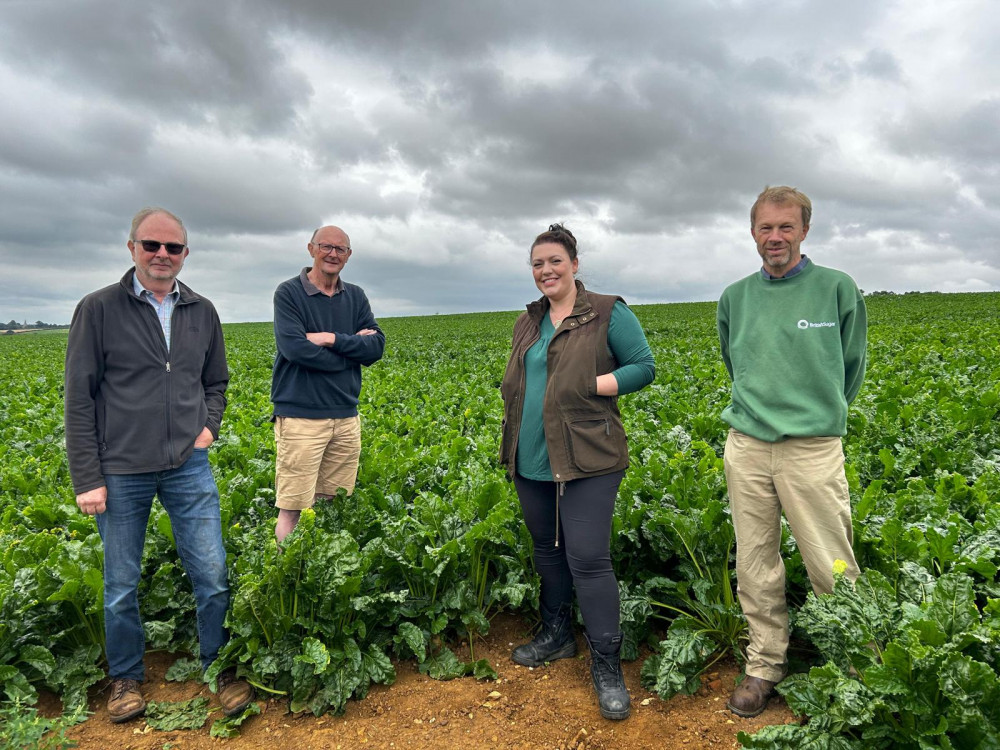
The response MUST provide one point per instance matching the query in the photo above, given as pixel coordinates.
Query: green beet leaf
(168, 716)
(228, 726)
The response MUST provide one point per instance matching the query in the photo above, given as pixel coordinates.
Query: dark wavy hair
(559, 235)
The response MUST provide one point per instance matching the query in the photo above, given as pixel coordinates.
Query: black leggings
(583, 557)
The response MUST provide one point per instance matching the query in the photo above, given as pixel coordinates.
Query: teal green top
(795, 349)
(637, 370)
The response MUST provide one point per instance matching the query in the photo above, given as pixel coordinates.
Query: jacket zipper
(158, 329)
(166, 394)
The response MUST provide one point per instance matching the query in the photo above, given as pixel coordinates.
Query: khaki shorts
(315, 457)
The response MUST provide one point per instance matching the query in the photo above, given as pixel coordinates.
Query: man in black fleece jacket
(325, 331)
(145, 389)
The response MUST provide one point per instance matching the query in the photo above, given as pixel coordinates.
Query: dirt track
(550, 707)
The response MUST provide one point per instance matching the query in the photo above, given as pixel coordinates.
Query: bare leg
(287, 519)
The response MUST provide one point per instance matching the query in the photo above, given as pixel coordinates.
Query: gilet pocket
(591, 444)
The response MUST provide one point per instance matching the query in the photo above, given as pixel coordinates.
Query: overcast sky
(443, 135)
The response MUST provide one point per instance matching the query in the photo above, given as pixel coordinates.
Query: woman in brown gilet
(564, 446)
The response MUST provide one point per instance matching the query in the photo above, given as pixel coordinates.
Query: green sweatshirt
(795, 349)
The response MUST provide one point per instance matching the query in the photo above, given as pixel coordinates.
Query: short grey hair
(312, 240)
(148, 211)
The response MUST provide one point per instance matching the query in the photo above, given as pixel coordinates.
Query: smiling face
(159, 269)
(329, 263)
(553, 270)
(778, 231)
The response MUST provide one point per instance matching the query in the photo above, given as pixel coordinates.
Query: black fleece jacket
(131, 405)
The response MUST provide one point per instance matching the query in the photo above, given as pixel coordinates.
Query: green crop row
(431, 544)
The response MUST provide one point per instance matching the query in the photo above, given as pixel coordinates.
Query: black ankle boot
(554, 641)
(609, 682)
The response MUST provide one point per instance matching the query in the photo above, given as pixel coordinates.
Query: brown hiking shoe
(750, 697)
(234, 694)
(126, 701)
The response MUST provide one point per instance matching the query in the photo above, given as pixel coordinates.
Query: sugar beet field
(431, 544)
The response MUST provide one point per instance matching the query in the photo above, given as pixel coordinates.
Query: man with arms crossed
(146, 380)
(325, 331)
(793, 338)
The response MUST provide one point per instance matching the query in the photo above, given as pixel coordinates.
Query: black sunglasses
(152, 246)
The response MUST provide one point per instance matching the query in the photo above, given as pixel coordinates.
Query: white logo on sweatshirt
(803, 324)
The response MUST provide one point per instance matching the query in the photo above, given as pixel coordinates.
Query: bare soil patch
(548, 707)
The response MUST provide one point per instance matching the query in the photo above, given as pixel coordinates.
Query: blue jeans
(191, 499)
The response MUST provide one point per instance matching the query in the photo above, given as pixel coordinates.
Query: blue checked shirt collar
(164, 310)
(796, 269)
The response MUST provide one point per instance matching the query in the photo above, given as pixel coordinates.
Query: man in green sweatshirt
(793, 337)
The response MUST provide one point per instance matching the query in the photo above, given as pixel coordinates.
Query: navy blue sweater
(321, 382)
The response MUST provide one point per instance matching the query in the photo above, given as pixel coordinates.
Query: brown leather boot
(234, 694)
(750, 697)
(125, 701)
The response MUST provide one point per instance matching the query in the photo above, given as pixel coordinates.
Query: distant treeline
(14, 325)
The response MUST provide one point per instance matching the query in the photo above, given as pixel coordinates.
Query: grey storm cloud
(211, 59)
(444, 135)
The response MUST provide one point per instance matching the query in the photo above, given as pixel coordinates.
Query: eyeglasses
(153, 246)
(338, 249)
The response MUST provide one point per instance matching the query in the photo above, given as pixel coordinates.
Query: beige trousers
(804, 477)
